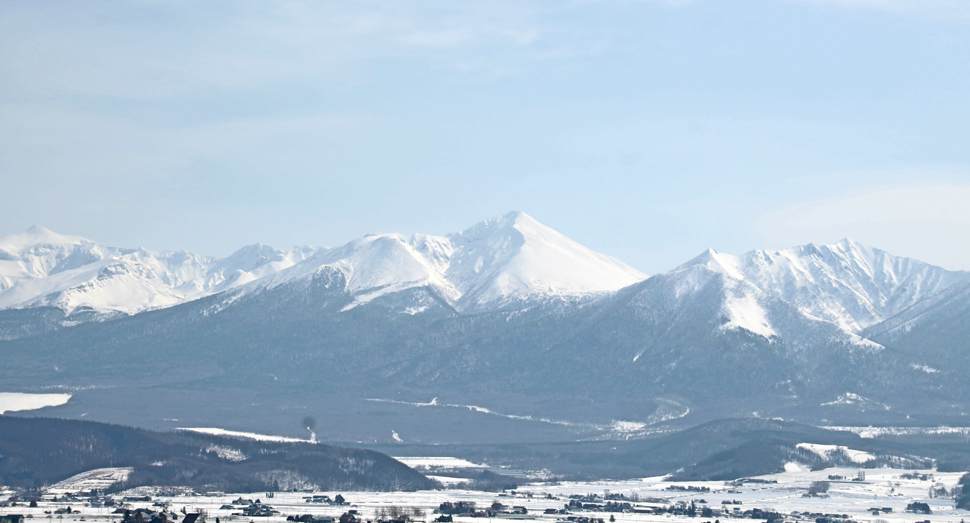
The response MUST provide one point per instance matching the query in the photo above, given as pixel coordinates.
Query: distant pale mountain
(490, 265)
(41, 268)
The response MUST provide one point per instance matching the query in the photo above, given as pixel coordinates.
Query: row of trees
(397, 513)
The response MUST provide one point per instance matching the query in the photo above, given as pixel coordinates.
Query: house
(309, 518)
(193, 518)
(347, 517)
(12, 518)
(256, 510)
(143, 515)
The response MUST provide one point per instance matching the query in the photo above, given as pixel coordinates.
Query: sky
(648, 130)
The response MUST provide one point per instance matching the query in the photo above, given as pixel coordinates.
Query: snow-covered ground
(882, 488)
(248, 435)
(826, 452)
(17, 401)
(434, 462)
(875, 432)
(96, 479)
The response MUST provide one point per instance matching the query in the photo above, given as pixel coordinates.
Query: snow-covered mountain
(43, 268)
(849, 284)
(509, 259)
(508, 315)
(515, 257)
(499, 263)
(935, 331)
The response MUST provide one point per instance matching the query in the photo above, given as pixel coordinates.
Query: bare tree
(818, 487)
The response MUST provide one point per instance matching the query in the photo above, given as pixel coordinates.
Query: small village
(828, 496)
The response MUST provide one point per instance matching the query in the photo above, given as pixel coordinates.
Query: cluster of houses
(470, 509)
(250, 508)
(20, 501)
(325, 500)
(351, 516)
(147, 515)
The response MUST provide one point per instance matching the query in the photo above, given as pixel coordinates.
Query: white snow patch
(247, 435)
(483, 410)
(851, 398)
(794, 466)
(743, 311)
(625, 427)
(436, 462)
(18, 401)
(925, 368)
(826, 451)
(447, 480)
(865, 343)
(875, 432)
(227, 453)
(97, 479)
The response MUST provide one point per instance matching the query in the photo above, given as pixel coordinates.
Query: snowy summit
(494, 263)
(497, 262)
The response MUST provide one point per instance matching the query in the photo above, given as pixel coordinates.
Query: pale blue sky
(645, 129)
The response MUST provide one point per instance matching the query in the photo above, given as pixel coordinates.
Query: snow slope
(515, 256)
(43, 268)
(506, 260)
(503, 262)
(849, 284)
(509, 259)
(705, 296)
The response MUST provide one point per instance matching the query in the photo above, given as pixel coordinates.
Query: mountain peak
(37, 235)
(490, 264)
(517, 221)
(515, 216)
(37, 230)
(516, 256)
(717, 261)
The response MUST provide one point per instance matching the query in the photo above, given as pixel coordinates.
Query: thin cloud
(932, 7)
(929, 222)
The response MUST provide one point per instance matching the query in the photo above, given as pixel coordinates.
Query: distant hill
(725, 449)
(36, 452)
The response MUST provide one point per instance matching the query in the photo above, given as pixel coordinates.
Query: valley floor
(783, 493)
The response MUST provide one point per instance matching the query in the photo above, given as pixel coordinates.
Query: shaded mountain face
(508, 331)
(934, 333)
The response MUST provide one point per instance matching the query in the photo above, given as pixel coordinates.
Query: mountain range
(490, 265)
(505, 331)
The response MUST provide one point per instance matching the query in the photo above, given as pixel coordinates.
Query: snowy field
(18, 401)
(881, 488)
